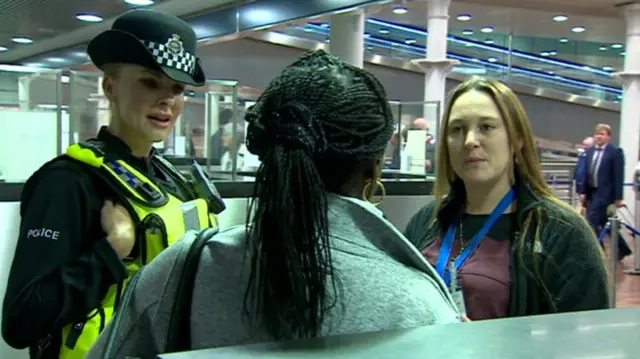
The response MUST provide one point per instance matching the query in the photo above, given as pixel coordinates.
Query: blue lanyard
(447, 243)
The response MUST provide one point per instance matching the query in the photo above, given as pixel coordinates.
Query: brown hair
(526, 163)
(603, 127)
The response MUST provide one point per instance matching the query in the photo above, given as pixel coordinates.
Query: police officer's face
(147, 102)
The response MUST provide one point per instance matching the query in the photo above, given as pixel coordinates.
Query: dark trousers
(597, 217)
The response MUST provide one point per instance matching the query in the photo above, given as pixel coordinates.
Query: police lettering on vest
(43, 233)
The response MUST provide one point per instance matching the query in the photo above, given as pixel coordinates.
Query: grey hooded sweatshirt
(385, 284)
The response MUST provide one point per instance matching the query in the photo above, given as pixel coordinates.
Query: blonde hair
(526, 162)
(603, 127)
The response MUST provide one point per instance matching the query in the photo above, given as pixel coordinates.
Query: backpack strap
(179, 330)
(177, 303)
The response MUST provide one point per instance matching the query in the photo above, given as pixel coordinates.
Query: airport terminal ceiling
(32, 27)
(575, 53)
(568, 45)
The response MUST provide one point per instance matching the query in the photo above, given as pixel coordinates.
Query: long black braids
(311, 127)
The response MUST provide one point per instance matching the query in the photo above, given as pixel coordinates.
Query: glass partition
(33, 119)
(409, 154)
(411, 151)
(44, 111)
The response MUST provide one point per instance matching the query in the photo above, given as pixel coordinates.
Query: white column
(24, 88)
(436, 65)
(347, 37)
(630, 111)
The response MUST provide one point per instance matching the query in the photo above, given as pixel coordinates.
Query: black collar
(453, 204)
(116, 149)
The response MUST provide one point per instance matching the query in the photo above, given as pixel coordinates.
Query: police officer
(93, 216)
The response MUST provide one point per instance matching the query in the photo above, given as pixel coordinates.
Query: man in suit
(602, 182)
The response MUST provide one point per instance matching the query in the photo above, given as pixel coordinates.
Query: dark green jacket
(566, 260)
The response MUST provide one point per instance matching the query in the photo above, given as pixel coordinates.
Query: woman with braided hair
(316, 257)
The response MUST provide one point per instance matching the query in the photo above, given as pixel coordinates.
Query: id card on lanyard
(445, 264)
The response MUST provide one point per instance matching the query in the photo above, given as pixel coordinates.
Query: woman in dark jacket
(501, 240)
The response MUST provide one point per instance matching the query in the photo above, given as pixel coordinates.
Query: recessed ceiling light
(410, 41)
(607, 68)
(553, 52)
(400, 10)
(489, 41)
(560, 18)
(616, 46)
(369, 48)
(623, 53)
(464, 17)
(545, 53)
(324, 24)
(366, 34)
(603, 48)
(139, 2)
(579, 29)
(3, 49)
(564, 40)
(492, 59)
(56, 59)
(467, 32)
(384, 31)
(487, 29)
(89, 18)
(22, 40)
(550, 72)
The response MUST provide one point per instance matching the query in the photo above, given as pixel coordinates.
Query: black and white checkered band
(172, 54)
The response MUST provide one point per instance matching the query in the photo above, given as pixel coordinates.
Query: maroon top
(486, 276)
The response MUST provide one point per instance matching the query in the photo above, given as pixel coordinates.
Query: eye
(150, 83)
(455, 129)
(485, 127)
(178, 89)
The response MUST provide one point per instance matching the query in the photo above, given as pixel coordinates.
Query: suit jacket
(610, 174)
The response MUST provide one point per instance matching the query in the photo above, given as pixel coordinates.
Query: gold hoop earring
(367, 189)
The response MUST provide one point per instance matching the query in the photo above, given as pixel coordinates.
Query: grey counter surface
(605, 334)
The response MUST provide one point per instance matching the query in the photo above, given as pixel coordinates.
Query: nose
(168, 100)
(471, 140)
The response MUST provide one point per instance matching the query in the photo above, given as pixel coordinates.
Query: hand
(466, 319)
(118, 226)
(619, 203)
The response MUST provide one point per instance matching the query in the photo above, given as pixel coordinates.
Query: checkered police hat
(151, 39)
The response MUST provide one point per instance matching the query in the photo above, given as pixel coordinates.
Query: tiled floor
(628, 292)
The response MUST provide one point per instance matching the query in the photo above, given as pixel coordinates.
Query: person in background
(82, 235)
(601, 191)
(502, 241)
(581, 165)
(217, 149)
(232, 145)
(320, 130)
(429, 143)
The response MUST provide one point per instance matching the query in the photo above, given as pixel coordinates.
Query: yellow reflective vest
(161, 219)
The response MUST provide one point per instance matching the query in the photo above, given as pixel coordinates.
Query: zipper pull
(74, 335)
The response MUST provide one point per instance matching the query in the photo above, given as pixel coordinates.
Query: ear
(108, 87)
